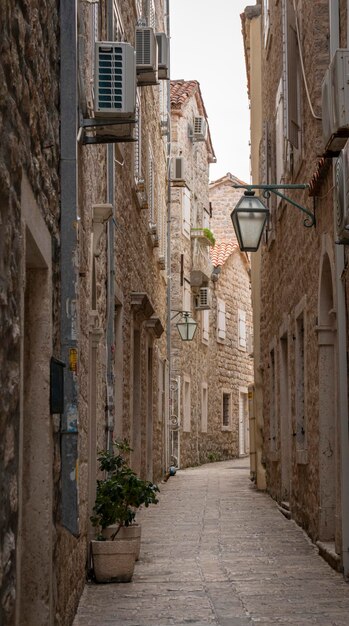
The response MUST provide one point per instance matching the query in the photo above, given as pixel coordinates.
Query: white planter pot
(113, 561)
(131, 533)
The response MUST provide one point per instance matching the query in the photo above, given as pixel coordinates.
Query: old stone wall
(29, 127)
(291, 266)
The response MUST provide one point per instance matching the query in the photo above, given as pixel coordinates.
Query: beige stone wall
(291, 271)
(215, 365)
(29, 127)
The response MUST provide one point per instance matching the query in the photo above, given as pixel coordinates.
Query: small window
(186, 212)
(118, 28)
(226, 410)
(221, 328)
(205, 319)
(151, 187)
(204, 407)
(186, 295)
(138, 142)
(186, 405)
(242, 329)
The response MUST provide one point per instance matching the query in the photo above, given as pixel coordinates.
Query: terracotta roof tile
(181, 90)
(222, 251)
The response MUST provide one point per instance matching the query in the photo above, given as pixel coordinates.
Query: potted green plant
(118, 498)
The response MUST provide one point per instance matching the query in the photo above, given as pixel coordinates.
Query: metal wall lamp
(250, 214)
(186, 326)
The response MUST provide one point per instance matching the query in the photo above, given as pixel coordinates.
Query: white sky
(207, 45)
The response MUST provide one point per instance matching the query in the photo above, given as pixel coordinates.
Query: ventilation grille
(109, 93)
(199, 132)
(114, 80)
(203, 299)
(143, 47)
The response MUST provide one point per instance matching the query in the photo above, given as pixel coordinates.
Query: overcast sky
(206, 45)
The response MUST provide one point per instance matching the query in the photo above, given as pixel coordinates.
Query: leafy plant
(210, 236)
(207, 233)
(122, 492)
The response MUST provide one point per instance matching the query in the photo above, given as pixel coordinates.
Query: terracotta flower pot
(113, 561)
(131, 533)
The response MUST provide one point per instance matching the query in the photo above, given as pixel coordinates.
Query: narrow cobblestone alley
(216, 551)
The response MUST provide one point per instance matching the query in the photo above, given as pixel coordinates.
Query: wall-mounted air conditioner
(342, 195)
(335, 103)
(146, 56)
(199, 128)
(203, 299)
(163, 48)
(177, 169)
(115, 80)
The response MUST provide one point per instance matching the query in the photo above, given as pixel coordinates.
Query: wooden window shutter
(221, 328)
(137, 144)
(205, 326)
(292, 63)
(242, 329)
(186, 211)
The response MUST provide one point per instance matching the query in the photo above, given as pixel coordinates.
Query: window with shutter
(186, 404)
(138, 142)
(150, 13)
(186, 211)
(162, 233)
(266, 21)
(186, 295)
(279, 134)
(204, 407)
(205, 319)
(118, 28)
(139, 8)
(242, 329)
(95, 21)
(151, 187)
(293, 78)
(221, 330)
(226, 409)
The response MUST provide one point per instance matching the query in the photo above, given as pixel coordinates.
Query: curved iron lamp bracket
(267, 190)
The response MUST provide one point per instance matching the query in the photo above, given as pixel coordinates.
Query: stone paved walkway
(216, 551)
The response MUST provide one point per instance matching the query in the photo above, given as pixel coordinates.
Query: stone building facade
(210, 374)
(303, 283)
(83, 287)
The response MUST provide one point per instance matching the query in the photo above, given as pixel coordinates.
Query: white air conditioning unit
(203, 299)
(177, 169)
(115, 80)
(342, 195)
(146, 56)
(163, 50)
(199, 128)
(335, 103)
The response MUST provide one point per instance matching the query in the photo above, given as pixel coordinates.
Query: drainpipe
(170, 399)
(341, 343)
(110, 333)
(69, 264)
